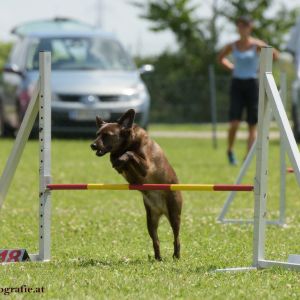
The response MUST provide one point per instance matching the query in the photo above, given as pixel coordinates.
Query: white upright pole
(283, 122)
(230, 198)
(19, 145)
(282, 199)
(260, 185)
(45, 155)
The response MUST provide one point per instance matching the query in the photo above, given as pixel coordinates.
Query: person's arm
(276, 54)
(223, 60)
(260, 44)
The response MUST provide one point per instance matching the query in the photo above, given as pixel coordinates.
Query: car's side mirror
(12, 68)
(146, 69)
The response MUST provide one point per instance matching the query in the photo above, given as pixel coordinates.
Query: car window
(81, 54)
(32, 61)
(69, 50)
(16, 55)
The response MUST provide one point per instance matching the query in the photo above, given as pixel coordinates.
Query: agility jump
(269, 98)
(154, 187)
(40, 104)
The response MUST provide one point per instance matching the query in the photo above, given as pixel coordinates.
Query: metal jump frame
(269, 99)
(245, 166)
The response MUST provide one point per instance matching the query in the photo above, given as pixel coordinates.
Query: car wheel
(20, 115)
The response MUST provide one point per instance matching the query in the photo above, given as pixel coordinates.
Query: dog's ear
(99, 122)
(127, 119)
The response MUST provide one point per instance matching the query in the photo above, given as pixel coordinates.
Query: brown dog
(140, 160)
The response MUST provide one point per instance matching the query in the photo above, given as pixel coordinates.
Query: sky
(116, 16)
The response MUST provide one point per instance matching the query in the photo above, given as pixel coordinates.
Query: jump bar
(154, 187)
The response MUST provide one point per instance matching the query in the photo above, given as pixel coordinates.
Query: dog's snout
(94, 146)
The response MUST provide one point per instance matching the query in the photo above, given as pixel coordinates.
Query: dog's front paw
(124, 157)
(120, 163)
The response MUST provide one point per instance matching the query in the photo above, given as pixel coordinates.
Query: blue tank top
(245, 63)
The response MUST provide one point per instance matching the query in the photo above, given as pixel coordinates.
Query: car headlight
(134, 93)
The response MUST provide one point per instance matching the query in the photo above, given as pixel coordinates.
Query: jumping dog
(140, 160)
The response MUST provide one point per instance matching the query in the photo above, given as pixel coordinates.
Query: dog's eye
(105, 137)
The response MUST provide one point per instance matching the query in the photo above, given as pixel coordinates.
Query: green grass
(196, 127)
(184, 127)
(100, 245)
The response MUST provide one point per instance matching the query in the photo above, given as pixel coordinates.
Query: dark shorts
(244, 96)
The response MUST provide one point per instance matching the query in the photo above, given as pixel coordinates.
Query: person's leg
(235, 115)
(251, 136)
(233, 127)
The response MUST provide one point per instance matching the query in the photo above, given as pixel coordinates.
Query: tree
(179, 83)
(4, 52)
(194, 35)
(270, 25)
(175, 15)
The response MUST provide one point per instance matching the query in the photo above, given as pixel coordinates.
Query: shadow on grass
(205, 269)
(91, 262)
(117, 263)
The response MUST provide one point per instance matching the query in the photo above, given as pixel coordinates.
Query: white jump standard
(269, 99)
(244, 168)
(40, 102)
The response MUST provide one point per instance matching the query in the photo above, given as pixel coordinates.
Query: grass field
(100, 245)
(199, 127)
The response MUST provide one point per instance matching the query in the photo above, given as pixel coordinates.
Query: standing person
(244, 83)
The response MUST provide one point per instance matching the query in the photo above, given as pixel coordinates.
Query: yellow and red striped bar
(153, 187)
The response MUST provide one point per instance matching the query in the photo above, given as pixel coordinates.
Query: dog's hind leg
(152, 225)
(175, 224)
(174, 218)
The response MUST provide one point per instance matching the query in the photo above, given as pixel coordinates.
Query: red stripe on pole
(67, 186)
(150, 187)
(233, 187)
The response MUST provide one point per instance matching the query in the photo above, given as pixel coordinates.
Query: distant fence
(187, 100)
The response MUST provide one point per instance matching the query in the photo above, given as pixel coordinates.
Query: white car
(92, 75)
